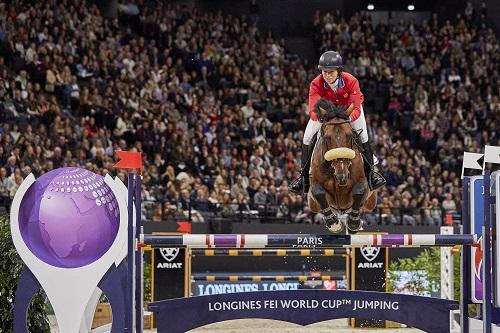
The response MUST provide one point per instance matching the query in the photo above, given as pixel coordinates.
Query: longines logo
(169, 254)
(370, 253)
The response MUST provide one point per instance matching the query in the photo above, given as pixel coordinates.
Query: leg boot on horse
(354, 222)
(330, 219)
(301, 184)
(375, 179)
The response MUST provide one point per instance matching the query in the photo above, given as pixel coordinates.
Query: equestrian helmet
(330, 60)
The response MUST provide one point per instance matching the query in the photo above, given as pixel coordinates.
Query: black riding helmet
(330, 60)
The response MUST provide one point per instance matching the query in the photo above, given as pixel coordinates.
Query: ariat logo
(370, 253)
(169, 254)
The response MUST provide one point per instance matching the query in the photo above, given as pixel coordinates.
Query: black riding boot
(375, 179)
(301, 184)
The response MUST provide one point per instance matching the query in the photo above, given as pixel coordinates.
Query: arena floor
(272, 326)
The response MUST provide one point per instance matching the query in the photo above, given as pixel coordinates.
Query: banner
(202, 288)
(495, 177)
(304, 307)
(370, 273)
(169, 273)
(477, 221)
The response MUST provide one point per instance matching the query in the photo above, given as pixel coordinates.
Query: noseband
(340, 178)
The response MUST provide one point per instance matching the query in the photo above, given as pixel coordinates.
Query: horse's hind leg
(359, 192)
(330, 219)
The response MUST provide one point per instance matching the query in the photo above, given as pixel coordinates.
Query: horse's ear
(350, 109)
(322, 104)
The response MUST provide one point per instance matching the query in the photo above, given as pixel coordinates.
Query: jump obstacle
(258, 278)
(303, 252)
(304, 240)
(180, 277)
(307, 306)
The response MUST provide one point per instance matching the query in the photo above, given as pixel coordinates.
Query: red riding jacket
(348, 92)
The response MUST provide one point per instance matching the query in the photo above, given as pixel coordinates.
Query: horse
(338, 181)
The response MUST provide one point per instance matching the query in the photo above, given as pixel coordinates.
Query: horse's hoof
(354, 225)
(336, 228)
(333, 224)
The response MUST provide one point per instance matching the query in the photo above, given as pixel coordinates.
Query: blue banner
(304, 307)
(202, 288)
(477, 221)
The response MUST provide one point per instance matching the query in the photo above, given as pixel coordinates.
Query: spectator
(219, 117)
(284, 208)
(304, 216)
(4, 189)
(449, 204)
(260, 198)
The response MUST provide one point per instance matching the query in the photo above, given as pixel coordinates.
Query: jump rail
(326, 252)
(259, 278)
(303, 240)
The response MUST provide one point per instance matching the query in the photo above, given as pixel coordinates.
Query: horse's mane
(330, 111)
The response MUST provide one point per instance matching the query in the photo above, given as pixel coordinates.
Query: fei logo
(169, 254)
(370, 253)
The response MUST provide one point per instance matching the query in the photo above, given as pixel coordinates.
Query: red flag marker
(184, 227)
(129, 160)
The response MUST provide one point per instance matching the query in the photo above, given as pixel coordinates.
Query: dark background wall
(293, 19)
(281, 17)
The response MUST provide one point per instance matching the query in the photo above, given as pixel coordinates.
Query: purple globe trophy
(69, 217)
(69, 227)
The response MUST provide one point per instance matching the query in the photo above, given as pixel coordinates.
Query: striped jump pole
(305, 252)
(259, 278)
(303, 240)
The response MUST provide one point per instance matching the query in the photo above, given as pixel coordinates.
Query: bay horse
(338, 182)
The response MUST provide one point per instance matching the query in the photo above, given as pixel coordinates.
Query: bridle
(341, 179)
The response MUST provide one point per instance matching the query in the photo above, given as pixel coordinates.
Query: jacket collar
(339, 83)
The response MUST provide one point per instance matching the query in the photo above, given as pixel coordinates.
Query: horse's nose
(342, 178)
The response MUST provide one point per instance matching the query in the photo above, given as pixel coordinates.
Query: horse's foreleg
(331, 220)
(359, 192)
(319, 194)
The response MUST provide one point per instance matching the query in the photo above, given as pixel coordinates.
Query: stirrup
(296, 186)
(371, 180)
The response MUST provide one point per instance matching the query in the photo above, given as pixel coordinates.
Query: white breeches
(360, 124)
(314, 126)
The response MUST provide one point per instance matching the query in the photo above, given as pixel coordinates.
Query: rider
(342, 89)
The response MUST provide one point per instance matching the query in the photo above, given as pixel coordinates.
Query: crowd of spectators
(432, 92)
(218, 108)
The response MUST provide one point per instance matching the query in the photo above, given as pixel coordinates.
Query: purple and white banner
(477, 221)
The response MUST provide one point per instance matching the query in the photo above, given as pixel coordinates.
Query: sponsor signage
(303, 307)
(168, 264)
(370, 272)
(496, 192)
(213, 288)
(477, 221)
